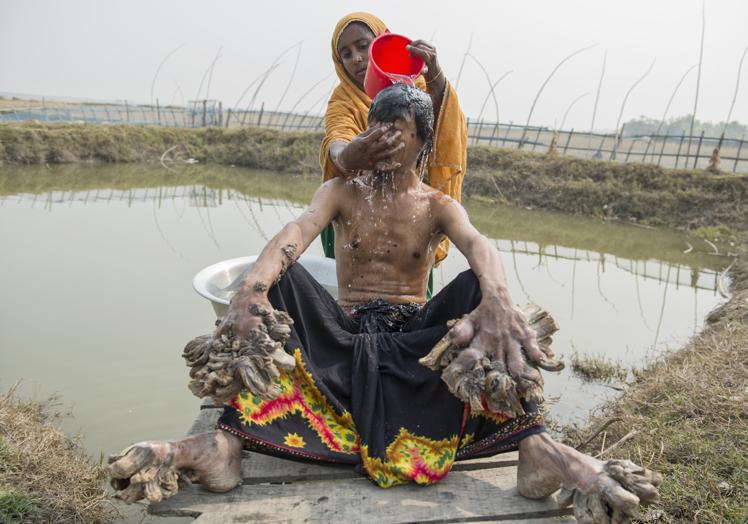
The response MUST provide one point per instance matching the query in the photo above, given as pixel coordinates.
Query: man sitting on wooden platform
(306, 377)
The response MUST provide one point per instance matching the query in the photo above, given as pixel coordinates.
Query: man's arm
(495, 326)
(279, 253)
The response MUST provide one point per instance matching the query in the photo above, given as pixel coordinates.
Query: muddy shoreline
(688, 409)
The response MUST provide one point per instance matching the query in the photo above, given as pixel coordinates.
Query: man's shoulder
(334, 185)
(437, 197)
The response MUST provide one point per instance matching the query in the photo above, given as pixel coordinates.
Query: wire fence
(670, 151)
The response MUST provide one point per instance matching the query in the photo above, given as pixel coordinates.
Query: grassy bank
(647, 194)
(44, 475)
(689, 415)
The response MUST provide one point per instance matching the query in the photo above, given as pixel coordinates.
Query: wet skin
(376, 147)
(375, 214)
(387, 229)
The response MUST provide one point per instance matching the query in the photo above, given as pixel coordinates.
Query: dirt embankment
(643, 193)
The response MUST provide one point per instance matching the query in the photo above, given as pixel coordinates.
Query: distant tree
(675, 126)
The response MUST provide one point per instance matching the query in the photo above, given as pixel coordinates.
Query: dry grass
(597, 368)
(691, 413)
(44, 475)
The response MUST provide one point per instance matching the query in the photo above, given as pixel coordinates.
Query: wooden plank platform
(277, 490)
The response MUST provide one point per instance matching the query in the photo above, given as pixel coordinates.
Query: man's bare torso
(385, 239)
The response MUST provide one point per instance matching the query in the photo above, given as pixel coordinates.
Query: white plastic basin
(219, 282)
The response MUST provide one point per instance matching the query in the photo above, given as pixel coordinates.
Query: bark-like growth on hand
(222, 367)
(477, 376)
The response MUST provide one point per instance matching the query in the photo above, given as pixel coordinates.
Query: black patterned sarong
(359, 396)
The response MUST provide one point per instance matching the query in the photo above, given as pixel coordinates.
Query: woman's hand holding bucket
(427, 53)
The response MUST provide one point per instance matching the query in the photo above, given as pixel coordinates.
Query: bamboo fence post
(262, 110)
(698, 150)
(619, 137)
(680, 145)
(506, 135)
(646, 150)
(158, 112)
(537, 137)
(628, 153)
(664, 142)
(205, 109)
(599, 151)
(478, 132)
(568, 139)
(493, 134)
(127, 111)
(737, 155)
(228, 117)
(220, 114)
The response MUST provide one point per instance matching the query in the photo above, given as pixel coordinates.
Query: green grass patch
(45, 476)
(590, 367)
(16, 506)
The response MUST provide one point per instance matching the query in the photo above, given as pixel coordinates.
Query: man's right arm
(279, 253)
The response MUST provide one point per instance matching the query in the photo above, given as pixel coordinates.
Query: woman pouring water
(349, 147)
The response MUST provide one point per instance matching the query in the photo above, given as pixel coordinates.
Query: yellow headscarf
(348, 111)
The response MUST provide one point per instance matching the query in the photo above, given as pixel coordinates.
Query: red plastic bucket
(390, 62)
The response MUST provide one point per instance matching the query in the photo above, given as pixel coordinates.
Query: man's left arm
(496, 326)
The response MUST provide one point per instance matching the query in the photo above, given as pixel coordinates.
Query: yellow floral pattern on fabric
(299, 395)
(294, 440)
(467, 439)
(411, 458)
(498, 418)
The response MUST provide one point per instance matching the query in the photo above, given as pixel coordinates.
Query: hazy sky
(109, 50)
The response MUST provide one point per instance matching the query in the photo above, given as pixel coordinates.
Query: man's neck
(401, 180)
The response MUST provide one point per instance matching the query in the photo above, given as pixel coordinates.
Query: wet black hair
(399, 101)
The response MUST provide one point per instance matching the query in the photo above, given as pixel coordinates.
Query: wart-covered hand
(372, 149)
(246, 352)
(490, 356)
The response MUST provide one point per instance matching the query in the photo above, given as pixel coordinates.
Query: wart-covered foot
(157, 470)
(145, 470)
(615, 495)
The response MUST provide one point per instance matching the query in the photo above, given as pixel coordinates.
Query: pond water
(97, 264)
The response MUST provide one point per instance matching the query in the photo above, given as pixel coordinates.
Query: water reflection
(98, 261)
